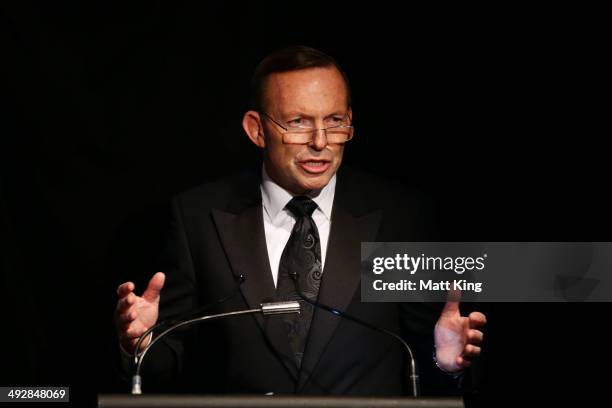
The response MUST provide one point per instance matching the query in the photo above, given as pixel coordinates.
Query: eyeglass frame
(313, 130)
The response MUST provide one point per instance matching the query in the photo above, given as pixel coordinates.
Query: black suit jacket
(216, 234)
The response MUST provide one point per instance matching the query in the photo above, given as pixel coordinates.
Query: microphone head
(280, 308)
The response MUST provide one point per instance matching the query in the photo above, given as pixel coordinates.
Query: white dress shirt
(278, 221)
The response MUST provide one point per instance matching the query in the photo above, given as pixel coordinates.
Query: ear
(350, 114)
(251, 123)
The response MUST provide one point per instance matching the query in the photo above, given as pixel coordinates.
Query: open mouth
(315, 166)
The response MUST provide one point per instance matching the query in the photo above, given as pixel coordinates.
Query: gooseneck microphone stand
(266, 309)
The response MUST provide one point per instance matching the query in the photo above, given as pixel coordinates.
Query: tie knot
(301, 206)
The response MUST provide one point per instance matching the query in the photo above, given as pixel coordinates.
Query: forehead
(312, 90)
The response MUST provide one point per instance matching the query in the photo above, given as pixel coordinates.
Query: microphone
(267, 309)
(413, 373)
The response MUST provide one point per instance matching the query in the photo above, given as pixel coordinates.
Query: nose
(319, 139)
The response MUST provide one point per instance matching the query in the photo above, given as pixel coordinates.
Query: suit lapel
(241, 232)
(243, 239)
(341, 277)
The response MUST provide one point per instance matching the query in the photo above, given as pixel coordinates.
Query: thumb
(452, 302)
(154, 287)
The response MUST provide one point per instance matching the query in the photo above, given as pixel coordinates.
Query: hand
(457, 337)
(135, 314)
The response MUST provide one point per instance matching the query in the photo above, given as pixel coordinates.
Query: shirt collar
(275, 198)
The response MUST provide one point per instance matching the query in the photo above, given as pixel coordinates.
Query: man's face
(316, 96)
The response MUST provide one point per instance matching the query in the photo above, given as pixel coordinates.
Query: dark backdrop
(113, 107)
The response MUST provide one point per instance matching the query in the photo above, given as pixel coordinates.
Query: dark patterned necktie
(301, 255)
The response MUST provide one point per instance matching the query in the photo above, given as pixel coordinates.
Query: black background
(113, 107)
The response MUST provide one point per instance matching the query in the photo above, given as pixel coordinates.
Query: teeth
(314, 164)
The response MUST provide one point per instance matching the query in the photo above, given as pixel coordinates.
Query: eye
(299, 122)
(336, 120)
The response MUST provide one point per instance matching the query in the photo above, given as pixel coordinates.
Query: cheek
(338, 152)
(293, 153)
(284, 156)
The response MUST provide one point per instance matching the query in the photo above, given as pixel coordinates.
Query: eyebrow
(302, 114)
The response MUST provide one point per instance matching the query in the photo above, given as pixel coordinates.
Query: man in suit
(293, 226)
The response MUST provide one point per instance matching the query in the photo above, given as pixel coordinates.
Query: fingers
(463, 362)
(125, 288)
(477, 320)
(154, 287)
(475, 337)
(131, 311)
(126, 302)
(452, 303)
(129, 326)
(470, 352)
(125, 315)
